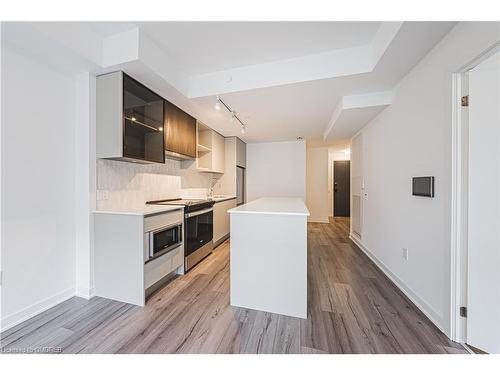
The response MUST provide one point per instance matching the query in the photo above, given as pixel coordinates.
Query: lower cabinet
(221, 220)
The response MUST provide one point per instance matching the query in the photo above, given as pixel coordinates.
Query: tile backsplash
(127, 185)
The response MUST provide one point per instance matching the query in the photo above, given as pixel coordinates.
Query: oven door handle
(197, 213)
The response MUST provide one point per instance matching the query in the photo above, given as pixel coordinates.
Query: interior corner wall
(85, 182)
(317, 184)
(276, 169)
(412, 137)
(38, 187)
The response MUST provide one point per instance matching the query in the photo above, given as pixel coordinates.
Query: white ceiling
(203, 47)
(304, 109)
(284, 79)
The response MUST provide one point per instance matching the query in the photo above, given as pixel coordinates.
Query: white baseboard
(428, 311)
(14, 319)
(317, 220)
(85, 292)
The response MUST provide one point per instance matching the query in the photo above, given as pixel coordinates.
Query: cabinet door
(241, 153)
(218, 221)
(218, 152)
(221, 218)
(143, 122)
(180, 131)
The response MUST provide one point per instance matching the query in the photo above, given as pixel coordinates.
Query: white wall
(276, 169)
(413, 138)
(317, 184)
(38, 187)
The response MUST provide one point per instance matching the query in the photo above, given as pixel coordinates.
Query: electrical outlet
(405, 253)
(102, 195)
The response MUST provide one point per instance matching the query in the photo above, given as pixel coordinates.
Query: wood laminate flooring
(352, 308)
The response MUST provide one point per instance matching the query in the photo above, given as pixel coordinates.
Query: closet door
(483, 294)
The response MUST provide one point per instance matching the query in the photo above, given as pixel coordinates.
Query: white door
(483, 292)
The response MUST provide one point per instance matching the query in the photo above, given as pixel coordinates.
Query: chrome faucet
(210, 194)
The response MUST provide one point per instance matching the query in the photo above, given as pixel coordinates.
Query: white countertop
(273, 206)
(146, 210)
(223, 198)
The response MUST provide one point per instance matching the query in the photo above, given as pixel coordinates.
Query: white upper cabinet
(218, 152)
(210, 150)
(241, 153)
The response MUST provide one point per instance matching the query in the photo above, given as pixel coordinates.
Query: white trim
(84, 292)
(457, 245)
(423, 306)
(35, 309)
(466, 347)
(317, 220)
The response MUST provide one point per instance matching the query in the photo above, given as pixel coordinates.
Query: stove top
(189, 204)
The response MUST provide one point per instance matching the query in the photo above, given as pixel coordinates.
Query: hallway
(352, 308)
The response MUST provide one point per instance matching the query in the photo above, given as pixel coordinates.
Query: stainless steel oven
(198, 229)
(164, 240)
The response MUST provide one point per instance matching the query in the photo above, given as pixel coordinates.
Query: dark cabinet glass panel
(143, 122)
(166, 239)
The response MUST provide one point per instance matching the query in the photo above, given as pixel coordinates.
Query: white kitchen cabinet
(221, 220)
(122, 269)
(210, 150)
(218, 152)
(241, 153)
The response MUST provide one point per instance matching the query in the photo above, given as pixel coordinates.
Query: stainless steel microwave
(164, 240)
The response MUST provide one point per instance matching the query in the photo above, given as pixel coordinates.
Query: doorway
(341, 188)
(476, 204)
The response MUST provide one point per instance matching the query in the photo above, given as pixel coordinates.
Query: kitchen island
(269, 256)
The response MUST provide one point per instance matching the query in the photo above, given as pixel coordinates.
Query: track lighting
(234, 116)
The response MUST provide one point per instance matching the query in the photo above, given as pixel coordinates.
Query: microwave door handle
(151, 244)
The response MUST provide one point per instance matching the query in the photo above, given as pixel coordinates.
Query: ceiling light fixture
(234, 116)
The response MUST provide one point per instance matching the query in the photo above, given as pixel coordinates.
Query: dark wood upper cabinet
(180, 132)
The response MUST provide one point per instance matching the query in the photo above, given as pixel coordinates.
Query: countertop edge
(269, 213)
(132, 213)
(218, 200)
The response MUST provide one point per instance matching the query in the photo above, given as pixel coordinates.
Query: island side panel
(269, 263)
(119, 258)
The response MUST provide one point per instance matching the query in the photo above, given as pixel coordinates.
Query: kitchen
(164, 193)
(151, 227)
